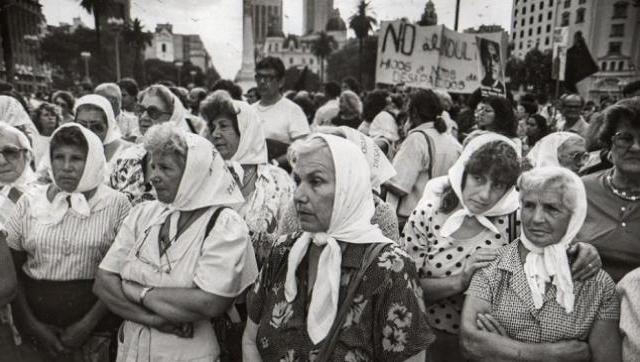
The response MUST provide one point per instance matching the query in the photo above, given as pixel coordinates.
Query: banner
(490, 68)
(560, 44)
(433, 56)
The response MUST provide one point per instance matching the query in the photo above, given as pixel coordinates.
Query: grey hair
(354, 102)
(305, 146)
(112, 92)
(546, 178)
(166, 137)
(161, 92)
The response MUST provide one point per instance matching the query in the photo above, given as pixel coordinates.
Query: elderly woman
(350, 111)
(47, 118)
(311, 301)
(564, 149)
(58, 235)
(380, 170)
(525, 305)
(613, 195)
(237, 134)
(427, 152)
(457, 227)
(66, 102)
(16, 175)
(180, 260)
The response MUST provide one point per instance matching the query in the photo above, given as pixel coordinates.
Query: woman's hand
(587, 261)
(76, 334)
(486, 322)
(478, 260)
(47, 337)
(132, 291)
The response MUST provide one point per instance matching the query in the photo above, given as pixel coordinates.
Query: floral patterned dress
(385, 323)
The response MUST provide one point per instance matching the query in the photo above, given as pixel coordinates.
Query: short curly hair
(219, 103)
(496, 160)
(166, 138)
(505, 122)
(49, 107)
(624, 110)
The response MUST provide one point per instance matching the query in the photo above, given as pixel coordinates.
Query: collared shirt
(504, 285)
(385, 323)
(612, 226)
(73, 248)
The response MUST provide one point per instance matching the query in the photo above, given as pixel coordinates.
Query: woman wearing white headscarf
(180, 260)
(12, 113)
(236, 132)
(95, 113)
(16, 175)
(312, 284)
(58, 235)
(457, 227)
(564, 149)
(525, 305)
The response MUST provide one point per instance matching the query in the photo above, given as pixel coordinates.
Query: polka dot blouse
(437, 256)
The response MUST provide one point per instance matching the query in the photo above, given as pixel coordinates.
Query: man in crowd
(283, 120)
(129, 90)
(329, 110)
(571, 119)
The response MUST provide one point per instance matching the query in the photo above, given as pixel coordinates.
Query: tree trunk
(360, 45)
(5, 33)
(96, 18)
(321, 59)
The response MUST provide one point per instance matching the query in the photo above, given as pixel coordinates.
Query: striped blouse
(73, 248)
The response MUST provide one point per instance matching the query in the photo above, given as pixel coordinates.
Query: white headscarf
(27, 176)
(179, 114)
(550, 263)
(545, 151)
(12, 113)
(350, 222)
(92, 177)
(252, 147)
(113, 131)
(205, 182)
(506, 205)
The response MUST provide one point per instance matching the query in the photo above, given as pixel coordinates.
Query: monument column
(245, 76)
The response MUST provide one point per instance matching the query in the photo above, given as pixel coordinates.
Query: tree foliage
(97, 8)
(344, 62)
(322, 48)
(138, 39)
(362, 24)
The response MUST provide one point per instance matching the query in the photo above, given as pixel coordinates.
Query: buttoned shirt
(504, 285)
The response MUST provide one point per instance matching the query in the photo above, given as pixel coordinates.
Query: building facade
(170, 47)
(27, 24)
(315, 15)
(267, 19)
(611, 29)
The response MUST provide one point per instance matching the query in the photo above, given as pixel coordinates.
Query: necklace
(621, 194)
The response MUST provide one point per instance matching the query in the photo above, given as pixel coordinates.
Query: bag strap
(431, 152)
(370, 255)
(513, 234)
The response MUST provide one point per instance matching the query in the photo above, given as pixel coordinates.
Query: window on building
(612, 66)
(550, 3)
(522, 22)
(546, 41)
(530, 31)
(617, 30)
(548, 28)
(514, 36)
(550, 15)
(533, 7)
(522, 33)
(530, 20)
(603, 66)
(524, 10)
(615, 47)
(515, 24)
(567, 4)
(620, 66)
(540, 18)
(290, 60)
(580, 15)
(539, 31)
(620, 10)
(515, 13)
(164, 48)
(541, 5)
(520, 45)
(565, 18)
(311, 61)
(269, 48)
(582, 2)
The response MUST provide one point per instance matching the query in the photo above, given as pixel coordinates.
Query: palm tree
(96, 7)
(322, 47)
(362, 24)
(138, 39)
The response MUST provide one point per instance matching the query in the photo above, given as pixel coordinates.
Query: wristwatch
(143, 293)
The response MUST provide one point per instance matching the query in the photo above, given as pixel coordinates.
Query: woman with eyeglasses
(16, 175)
(180, 260)
(57, 236)
(564, 149)
(66, 102)
(613, 217)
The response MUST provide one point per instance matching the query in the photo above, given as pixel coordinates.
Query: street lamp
(85, 56)
(179, 67)
(193, 76)
(117, 24)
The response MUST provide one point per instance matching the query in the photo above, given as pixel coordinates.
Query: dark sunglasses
(152, 112)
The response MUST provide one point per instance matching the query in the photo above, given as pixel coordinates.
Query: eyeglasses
(579, 158)
(265, 77)
(623, 140)
(11, 154)
(152, 111)
(163, 246)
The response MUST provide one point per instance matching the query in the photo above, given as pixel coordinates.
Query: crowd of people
(396, 224)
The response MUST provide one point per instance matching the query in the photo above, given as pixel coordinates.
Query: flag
(580, 64)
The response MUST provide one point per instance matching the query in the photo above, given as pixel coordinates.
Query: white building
(611, 29)
(170, 47)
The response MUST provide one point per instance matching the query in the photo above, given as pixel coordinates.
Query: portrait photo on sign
(490, 66)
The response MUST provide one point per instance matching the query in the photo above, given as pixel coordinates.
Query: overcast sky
(219, 22)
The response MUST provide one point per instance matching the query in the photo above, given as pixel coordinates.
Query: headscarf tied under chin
(506, 205)
(113, 131)
(27, 176)
(205, 182)
(545, 151)
(550, 264)
(351, 216)
(252, 147)
(92, 177)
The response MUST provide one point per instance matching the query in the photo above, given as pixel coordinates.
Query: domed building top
(335, 22)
